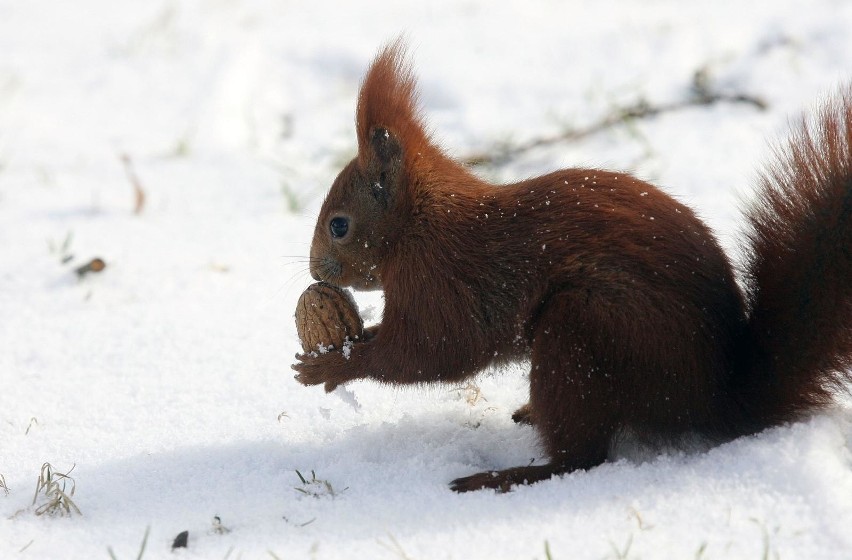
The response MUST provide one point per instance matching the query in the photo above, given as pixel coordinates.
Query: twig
(297, 524)
(700, 94)
(138, 191)
(94, 265)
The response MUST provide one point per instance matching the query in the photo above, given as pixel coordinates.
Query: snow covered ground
(164, 380)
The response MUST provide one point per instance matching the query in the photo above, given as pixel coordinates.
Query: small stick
(700, 95)
(94, 265)
(138, 191)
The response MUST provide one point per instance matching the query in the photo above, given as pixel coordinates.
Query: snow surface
(164, 380)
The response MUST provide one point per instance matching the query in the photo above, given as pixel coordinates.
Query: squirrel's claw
(317, 370)
(305, 373)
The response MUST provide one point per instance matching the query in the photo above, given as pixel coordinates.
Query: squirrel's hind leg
(572, 402)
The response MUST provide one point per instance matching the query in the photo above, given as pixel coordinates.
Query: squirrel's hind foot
(502, 481)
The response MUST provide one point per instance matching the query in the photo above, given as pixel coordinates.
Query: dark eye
(339, 226)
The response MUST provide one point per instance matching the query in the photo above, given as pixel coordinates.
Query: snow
(164, 380)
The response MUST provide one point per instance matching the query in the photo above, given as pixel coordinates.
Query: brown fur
(620, 296)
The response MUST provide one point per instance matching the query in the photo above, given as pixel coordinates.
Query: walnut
(325, 316)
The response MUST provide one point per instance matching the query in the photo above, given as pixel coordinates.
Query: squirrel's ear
(388, 125)
(385, 164)
(386, 147)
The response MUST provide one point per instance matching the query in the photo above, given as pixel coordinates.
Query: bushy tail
(799, 271)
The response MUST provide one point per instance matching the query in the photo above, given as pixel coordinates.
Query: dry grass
(218, 528)
(141, 547)
(471, 393)
(33, 422)
(51, 487)
(316, 487)
(621, 553)
(394, 547)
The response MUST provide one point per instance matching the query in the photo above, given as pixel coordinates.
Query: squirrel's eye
(339, 226)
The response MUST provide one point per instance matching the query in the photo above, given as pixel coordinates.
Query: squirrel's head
(359, 220)
(369, 205)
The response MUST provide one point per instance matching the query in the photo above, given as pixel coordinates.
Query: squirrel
(630, 314)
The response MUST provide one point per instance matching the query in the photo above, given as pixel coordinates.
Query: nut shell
(325, 316)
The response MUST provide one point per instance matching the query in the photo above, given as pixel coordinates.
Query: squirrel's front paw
(315, 369)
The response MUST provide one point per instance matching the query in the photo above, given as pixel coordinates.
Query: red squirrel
(621, 298)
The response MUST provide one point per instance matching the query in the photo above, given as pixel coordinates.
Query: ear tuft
(387, 102)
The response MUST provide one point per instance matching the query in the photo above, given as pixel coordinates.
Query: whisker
(298, 277)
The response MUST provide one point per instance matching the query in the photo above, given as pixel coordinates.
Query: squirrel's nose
(326, 269)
